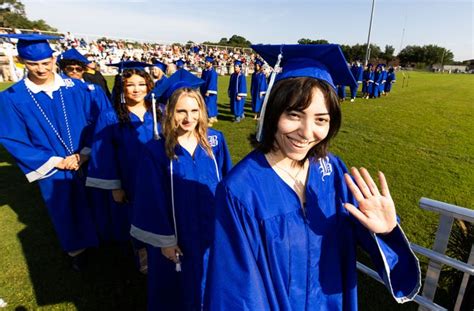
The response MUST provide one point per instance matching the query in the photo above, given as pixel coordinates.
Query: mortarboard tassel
(156, 136)
(276, 70)
(178, 264)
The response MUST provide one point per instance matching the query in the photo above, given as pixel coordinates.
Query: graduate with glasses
(289, 216)
(73, 64)
(174, 196)
(46, 123)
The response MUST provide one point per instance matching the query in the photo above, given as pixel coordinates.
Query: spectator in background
(93, 75)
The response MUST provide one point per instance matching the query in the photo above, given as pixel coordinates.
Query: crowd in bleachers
(107, 51)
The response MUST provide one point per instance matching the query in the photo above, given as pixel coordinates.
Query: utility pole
(367, 52)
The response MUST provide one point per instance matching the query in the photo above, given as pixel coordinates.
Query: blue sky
(447, 23)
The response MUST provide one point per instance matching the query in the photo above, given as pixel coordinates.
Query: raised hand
(376, 210)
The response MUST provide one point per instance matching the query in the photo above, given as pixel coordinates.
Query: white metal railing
(448, 213)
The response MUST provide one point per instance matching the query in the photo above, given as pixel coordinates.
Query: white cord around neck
(70, 148)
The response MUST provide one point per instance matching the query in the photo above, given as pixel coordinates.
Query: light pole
(367, 52)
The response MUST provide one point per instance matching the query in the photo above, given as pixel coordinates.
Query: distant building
(450, 68)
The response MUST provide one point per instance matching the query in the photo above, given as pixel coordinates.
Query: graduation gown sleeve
(391, 254)
(103, 166)
(151, 221)
(242, 85)
(98, 102)
(212, 86)
(221, 151)
(36, 162)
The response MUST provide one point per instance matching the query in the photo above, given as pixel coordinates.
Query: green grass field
(420, 136)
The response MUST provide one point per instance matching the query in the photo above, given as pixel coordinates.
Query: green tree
(387, 55)
(13, 15)
(309, 41)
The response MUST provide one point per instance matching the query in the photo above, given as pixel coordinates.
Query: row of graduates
(375, 81)
(277, 232)
(236, 91)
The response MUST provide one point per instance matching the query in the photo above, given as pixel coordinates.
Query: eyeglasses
(74, 68)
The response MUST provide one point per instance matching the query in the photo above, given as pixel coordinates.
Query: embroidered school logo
(213, 140)
(325, 167)
(68, 82)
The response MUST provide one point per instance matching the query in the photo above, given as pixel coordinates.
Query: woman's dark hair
(120, 108)
(296, 94)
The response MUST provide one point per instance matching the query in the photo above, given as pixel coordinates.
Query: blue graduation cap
(258, 62)
(238, 63)
(181, 78)
(73, 54)
(130, 64)
(179, 63)
(33, 47)
(320, 61)
(209, 59)
(160, 65)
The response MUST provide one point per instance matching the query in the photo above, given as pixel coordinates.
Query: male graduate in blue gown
(258, 88)
(46, 124)
(287, 239)
(209, 89)
(357, 71)
(237, 92)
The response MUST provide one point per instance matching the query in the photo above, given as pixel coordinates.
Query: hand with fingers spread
(376, 210)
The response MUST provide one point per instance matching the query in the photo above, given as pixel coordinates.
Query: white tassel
(276, 70)
(178, 264)
(156, 136)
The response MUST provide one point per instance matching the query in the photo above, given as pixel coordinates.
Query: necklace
(70, 148)
(294, 177)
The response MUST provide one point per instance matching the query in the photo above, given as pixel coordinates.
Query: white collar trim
(35, 88)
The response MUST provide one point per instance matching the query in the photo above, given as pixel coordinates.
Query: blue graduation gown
(390, 80)
(210, 86)
(29, 137)
(382, 83)
(368, 82)
(357, 72)
(115, 155)
(258, 89)
(237, 87)
(341, 91)
(270, 254)
(378, 78)
(194, 183)
(159, 82)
